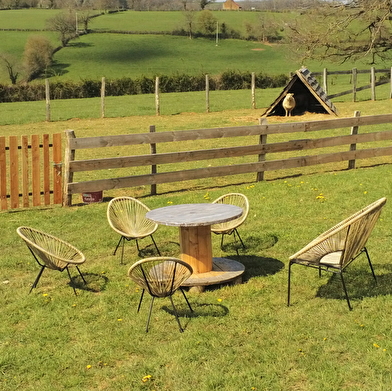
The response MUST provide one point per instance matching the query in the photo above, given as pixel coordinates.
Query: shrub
(229, 80)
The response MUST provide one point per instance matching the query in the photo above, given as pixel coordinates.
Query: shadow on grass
(359, 282)
(95, 282)
(253, 244)
(199, 310)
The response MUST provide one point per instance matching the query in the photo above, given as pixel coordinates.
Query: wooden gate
(30, 171)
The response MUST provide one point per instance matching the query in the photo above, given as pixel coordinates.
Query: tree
(344, 31)
(12, 66)
(207, 22)
(65, 24)
(38, 56)
(189, 22)
(204, 3)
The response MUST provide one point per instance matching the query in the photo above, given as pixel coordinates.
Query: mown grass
(241, 337)
(123, 55)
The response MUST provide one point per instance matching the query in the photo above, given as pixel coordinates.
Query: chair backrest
(55, 253)
(237, 199)
(160, 276)
(127, 216)
(348, 237)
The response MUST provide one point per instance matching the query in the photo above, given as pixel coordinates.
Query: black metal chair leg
(149, 314)
(37, 279)
(118, 245)
(81, 275)
(345, 291)
(140, 301)
(370, 263)
(155, 245)
(239, 237)
(222, 241)
(186, 299)
(289, 285)
(175, 312)
(70, 279)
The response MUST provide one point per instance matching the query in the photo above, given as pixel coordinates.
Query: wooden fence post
(390, 78)
(68, 176)
(3, 178)
(253, 88)
(47, 98)
(354, 80)
(157, 104)
(207, 94)
(103, 88)
(153, 148)
(353, 147)
(373, 82)
(262, 141)
(325, 80)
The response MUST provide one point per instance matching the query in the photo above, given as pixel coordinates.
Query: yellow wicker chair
(230, 227)
(51, 252)
(336, 248)
(127, 217)
(160, 277)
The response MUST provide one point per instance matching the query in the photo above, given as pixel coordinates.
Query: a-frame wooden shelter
(308, 94)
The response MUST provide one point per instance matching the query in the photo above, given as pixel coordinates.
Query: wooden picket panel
(30, 171)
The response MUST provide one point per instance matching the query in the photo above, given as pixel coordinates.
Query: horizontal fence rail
(259, 150)
(30, 171)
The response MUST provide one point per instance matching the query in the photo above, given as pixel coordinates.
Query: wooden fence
(354, 81)
(30, 171)
(259, 150)
(324, 75)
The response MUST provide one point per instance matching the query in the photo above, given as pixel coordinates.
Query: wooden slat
(57, 169)
(36, 172)
(210, 172)
(220, 153)
(216, 133)
(3, 175)
(14, 172)
(68, 174)
(25, 171)
(46, 168)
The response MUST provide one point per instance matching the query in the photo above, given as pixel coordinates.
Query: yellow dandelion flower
(44, 294)
(119, 320)
(376, 346)
(169, 202)
(219, 300)
(146, 378)
(88, 366)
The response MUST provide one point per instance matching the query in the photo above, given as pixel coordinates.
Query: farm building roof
(308, 94)
(230, 5)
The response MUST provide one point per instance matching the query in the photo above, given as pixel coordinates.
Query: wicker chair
(336, 248)
(161, 277)
(127, 217)
(51, 252)
(230, 227)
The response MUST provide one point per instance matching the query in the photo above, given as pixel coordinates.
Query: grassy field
(240, 337)
(123, 55)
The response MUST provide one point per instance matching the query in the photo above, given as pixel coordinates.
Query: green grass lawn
(241, 337)
(122, 55)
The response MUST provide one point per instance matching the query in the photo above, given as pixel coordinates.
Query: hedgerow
(229, 80)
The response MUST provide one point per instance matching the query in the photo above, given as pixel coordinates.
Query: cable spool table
(194, 222)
